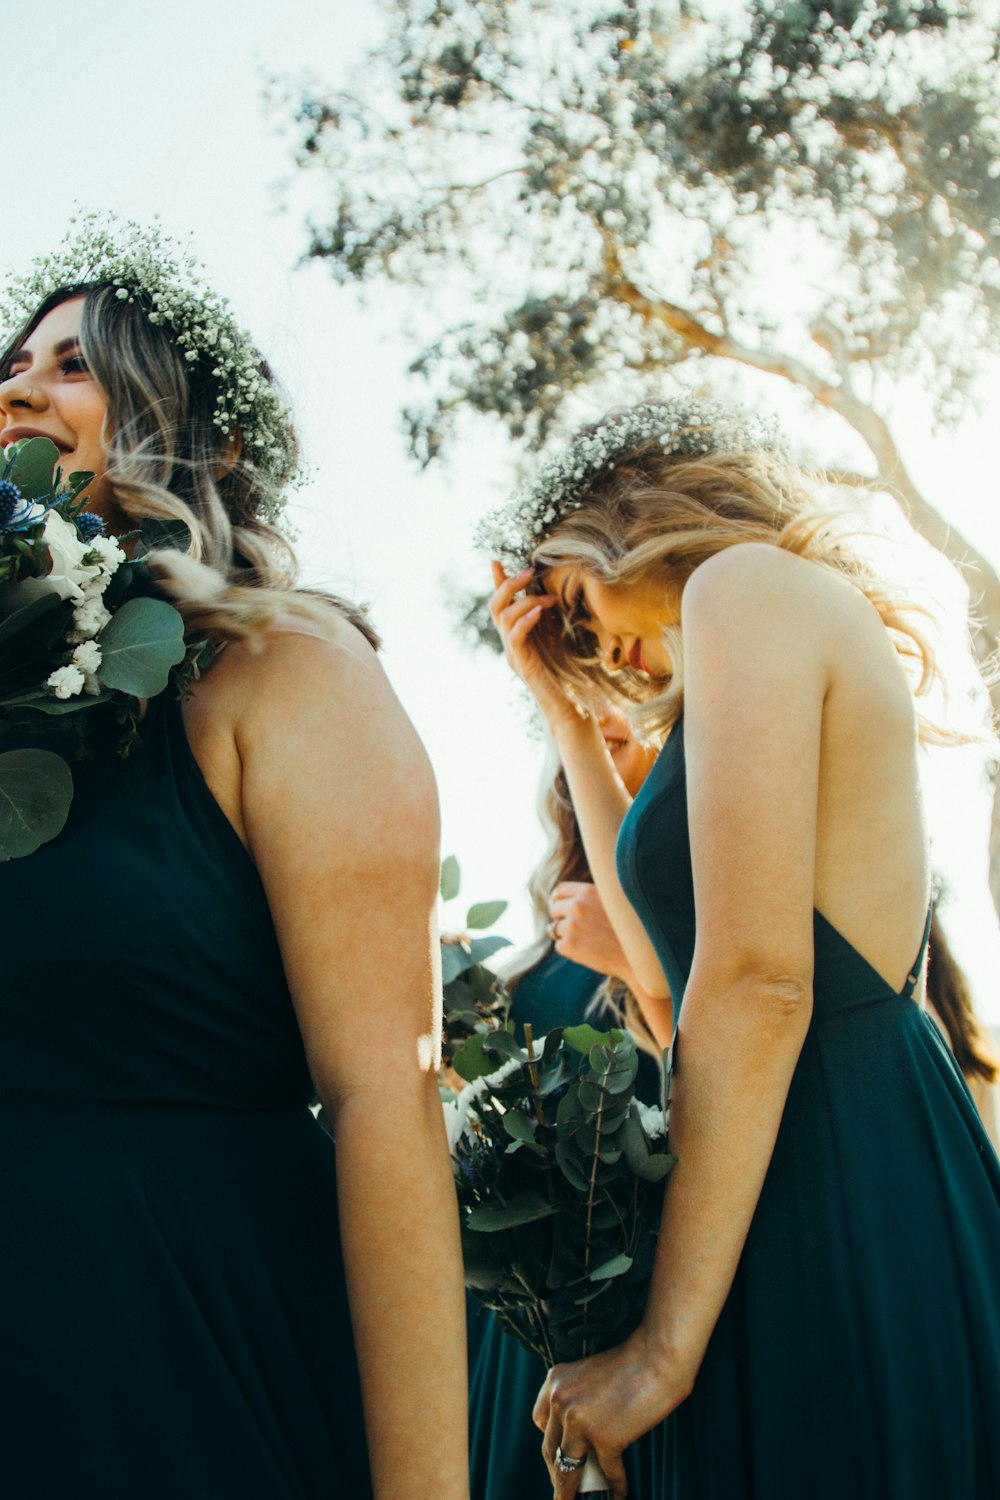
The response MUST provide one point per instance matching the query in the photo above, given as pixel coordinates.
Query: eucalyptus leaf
(154, 534)
(139, 645)
(454, 961)
(36, 791)
(33, 468)
(616, 1266)
(582, 1038)
(471, 1062)
(518, 1126)
(485, 913)
(524, 1208)
(451, 878)
(27, 615)
(485, 947)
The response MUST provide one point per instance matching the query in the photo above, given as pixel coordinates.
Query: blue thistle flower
(10, 499)
(89, 525)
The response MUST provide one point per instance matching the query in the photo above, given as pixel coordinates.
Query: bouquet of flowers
(77, 630)
(559, 1172)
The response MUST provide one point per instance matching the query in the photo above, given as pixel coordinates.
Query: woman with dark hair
(201, 1295)
(824, 1314)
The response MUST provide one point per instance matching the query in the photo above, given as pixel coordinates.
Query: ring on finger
(567, 1465)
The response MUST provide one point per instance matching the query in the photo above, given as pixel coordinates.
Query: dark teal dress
(173, 1316)
(857, 1356)
(504, 1379)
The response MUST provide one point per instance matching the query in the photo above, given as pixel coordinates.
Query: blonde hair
(663, 513)
(564, 859)
(233, 573)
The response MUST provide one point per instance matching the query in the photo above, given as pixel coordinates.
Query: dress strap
(915, 972)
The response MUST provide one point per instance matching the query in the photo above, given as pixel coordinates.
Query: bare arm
(341, 814)
(582, 931)
(600, 800)
(756, 670)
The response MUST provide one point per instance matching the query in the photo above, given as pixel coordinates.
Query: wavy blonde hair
(666, 514)
(564, 859)
(168, 461)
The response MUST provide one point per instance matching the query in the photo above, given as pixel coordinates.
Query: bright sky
(148, 110)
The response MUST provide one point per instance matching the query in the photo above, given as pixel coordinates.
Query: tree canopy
(620, 191)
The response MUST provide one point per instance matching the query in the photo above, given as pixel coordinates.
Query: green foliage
(139, 645)
(559, 1188)
(613, 179)
(474, 1000)
(36, 790)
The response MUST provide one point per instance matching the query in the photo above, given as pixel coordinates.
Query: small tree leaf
(451, 878)
(485, 913)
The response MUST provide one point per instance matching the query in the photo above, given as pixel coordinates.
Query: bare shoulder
(300, 710)
(756, 578)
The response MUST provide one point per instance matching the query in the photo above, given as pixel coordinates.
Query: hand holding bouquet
(559, 1171)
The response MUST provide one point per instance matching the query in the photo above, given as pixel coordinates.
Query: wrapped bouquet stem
(559, 1171)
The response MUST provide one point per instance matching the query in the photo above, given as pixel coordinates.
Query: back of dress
(858, 1352)
(174, 1319)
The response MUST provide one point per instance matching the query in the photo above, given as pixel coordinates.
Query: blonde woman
(824, 1317)
(201, 1297)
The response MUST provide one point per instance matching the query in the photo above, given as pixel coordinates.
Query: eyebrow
(63, 347)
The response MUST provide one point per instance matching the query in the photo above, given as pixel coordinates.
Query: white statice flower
(89, 619)
(110, 554)
(66, 682)
(87, 656)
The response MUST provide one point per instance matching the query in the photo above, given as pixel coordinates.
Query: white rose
(69, 573)
(66, 682)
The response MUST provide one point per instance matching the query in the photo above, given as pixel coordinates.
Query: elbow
(774, 994)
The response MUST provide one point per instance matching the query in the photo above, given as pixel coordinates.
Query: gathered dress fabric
(858, 1351)
(504, 1378)
(173, 1314)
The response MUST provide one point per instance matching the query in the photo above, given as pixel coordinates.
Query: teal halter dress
(173, 1316)
(504, 1379)
(857, 1356)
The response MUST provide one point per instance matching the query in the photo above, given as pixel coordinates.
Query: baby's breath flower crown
(147, 266)
(682, 425)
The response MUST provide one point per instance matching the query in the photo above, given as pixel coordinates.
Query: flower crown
(683, 425)
(147, 266)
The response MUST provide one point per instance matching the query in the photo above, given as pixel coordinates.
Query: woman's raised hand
(515, 619)
(581, 930)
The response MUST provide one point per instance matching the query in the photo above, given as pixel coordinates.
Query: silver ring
(567, 1465)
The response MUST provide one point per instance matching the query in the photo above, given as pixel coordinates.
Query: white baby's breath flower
(683, 425)
(66, 682)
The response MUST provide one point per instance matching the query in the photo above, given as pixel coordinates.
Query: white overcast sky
(159, 109)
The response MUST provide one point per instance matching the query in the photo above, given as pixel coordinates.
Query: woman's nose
(17, 391)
